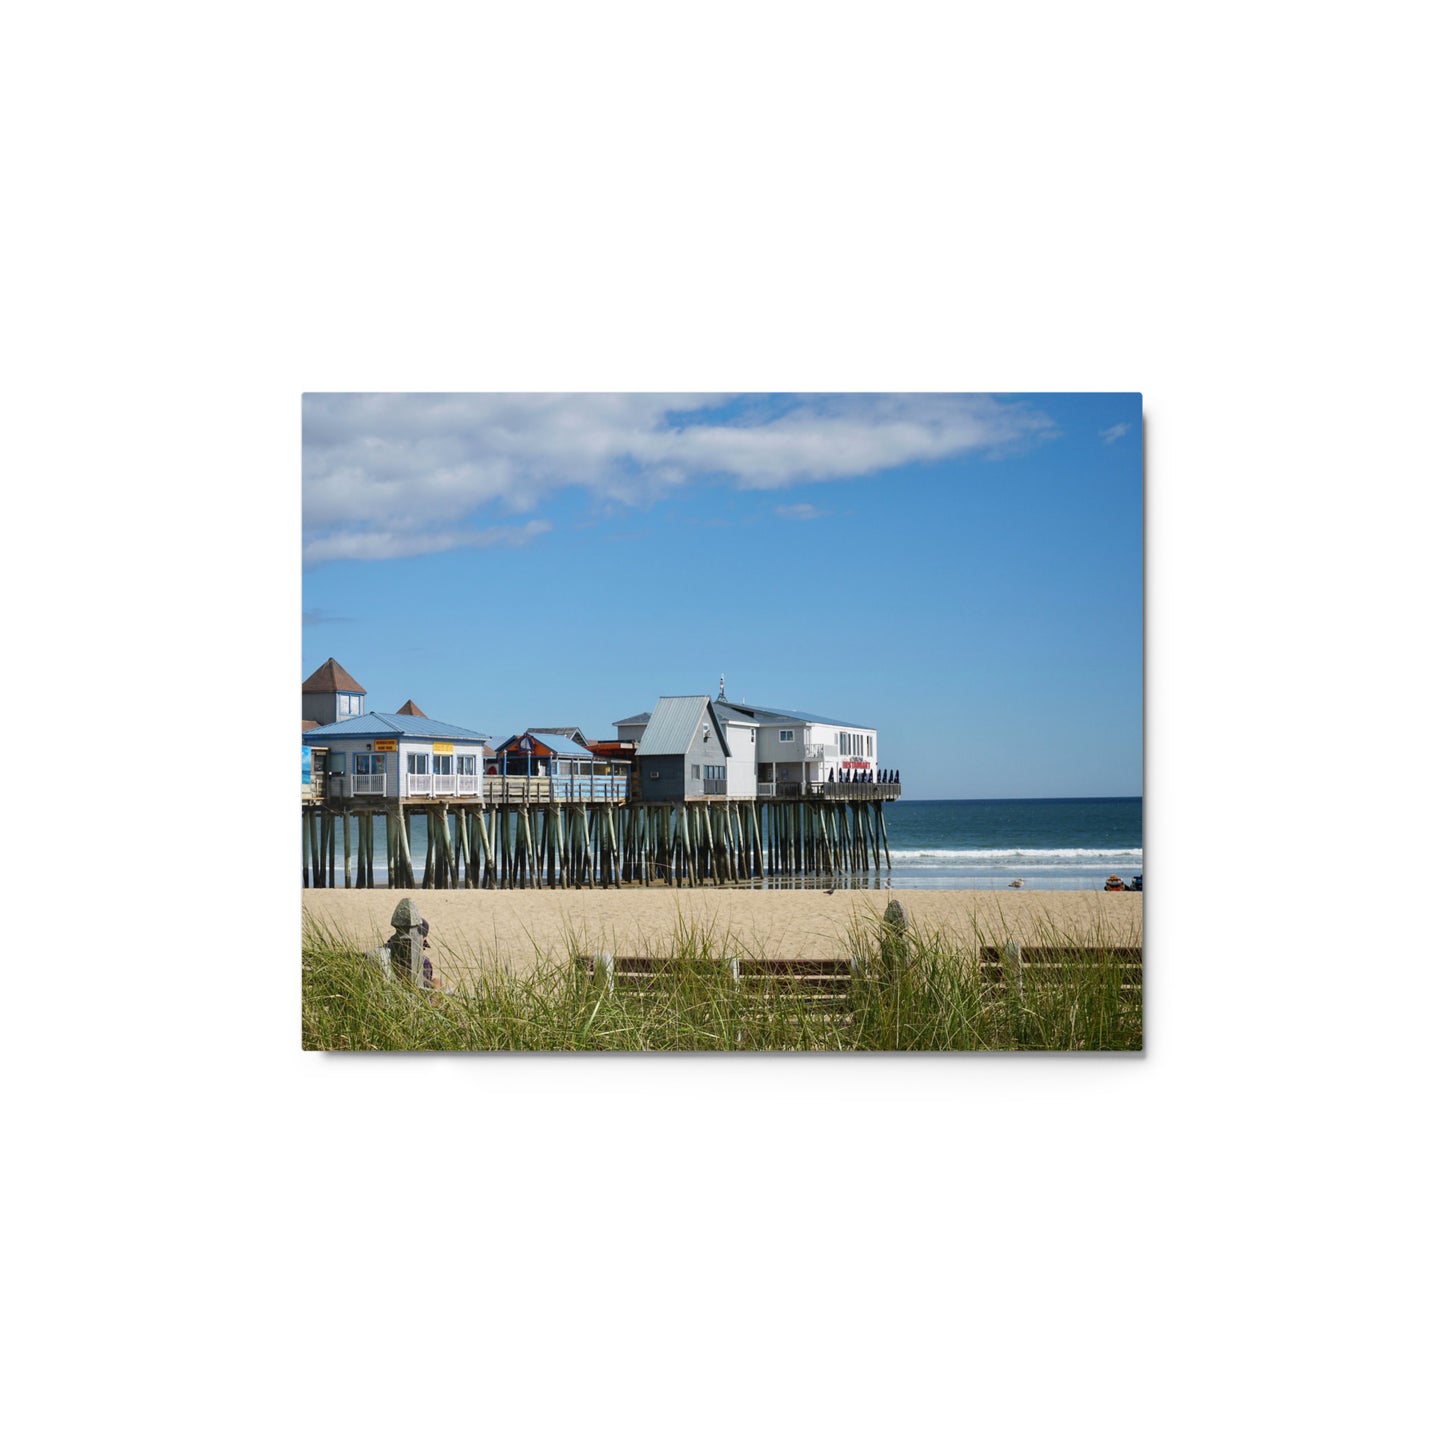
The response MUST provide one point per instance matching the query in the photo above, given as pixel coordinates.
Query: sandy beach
(520, 929)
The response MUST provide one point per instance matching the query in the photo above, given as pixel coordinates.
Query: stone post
(893, 949)
(407, 943)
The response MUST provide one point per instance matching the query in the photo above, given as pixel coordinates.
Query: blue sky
(964, 573)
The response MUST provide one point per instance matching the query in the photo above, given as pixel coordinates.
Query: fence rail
(604, 788)
(608, 789)
(849, 791)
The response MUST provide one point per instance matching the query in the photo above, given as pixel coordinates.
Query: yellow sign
(384, 745)
(442, 748)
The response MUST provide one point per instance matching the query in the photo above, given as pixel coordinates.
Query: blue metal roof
(393, 725)
(564, 747)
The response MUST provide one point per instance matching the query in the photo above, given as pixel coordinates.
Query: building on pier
(330, 694)
(388, 755)
(575, 734)
(608, 750)
(683, 751)
(799, 752)
(766, 752)
(574, 773)
(631, 729)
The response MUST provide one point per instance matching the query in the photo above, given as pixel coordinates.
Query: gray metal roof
(785, 715)
(739, 712)
(636, 720)
(393, 725)
(674, 721)
(576, 734)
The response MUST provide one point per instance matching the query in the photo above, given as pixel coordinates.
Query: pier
(519, 836)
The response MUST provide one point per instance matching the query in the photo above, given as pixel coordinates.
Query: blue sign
(305, 767)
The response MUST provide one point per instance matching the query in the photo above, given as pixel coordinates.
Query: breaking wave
(1034, 857)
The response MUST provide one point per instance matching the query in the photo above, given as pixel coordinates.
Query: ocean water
(988, 842)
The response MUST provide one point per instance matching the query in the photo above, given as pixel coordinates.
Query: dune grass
(924, 992)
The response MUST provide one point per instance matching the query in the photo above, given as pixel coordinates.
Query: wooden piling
(590, 844)
(403, 846)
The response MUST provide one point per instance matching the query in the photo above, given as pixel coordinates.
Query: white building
(398, 755)
(801, 752)
(779, 752)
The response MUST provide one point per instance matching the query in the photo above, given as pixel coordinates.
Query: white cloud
(394, 475)
(798, 512)
(1113, 433)
(375, 544)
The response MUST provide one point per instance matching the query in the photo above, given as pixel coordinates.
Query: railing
(516, 790)
(418, 785)
(429, 785)
(813, 752)
(610, 787)
(871, 791)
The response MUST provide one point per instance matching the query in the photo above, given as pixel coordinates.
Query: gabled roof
(637, 720)
(409, 709)
(331, 677)
(674, 721)
(576, 734)
(552, 743)
(395, 725)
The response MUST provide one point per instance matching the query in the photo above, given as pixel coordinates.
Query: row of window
(711, 771)
(853, 745)
(373, 765)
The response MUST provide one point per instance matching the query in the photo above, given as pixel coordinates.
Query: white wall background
(1231, 1238)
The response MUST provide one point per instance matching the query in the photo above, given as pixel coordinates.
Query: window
(467, 764)
(442, 763)
(753, 735)
(695, 771)
(712, 771)
(785, 735)
(367, 765)
(416, 764)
